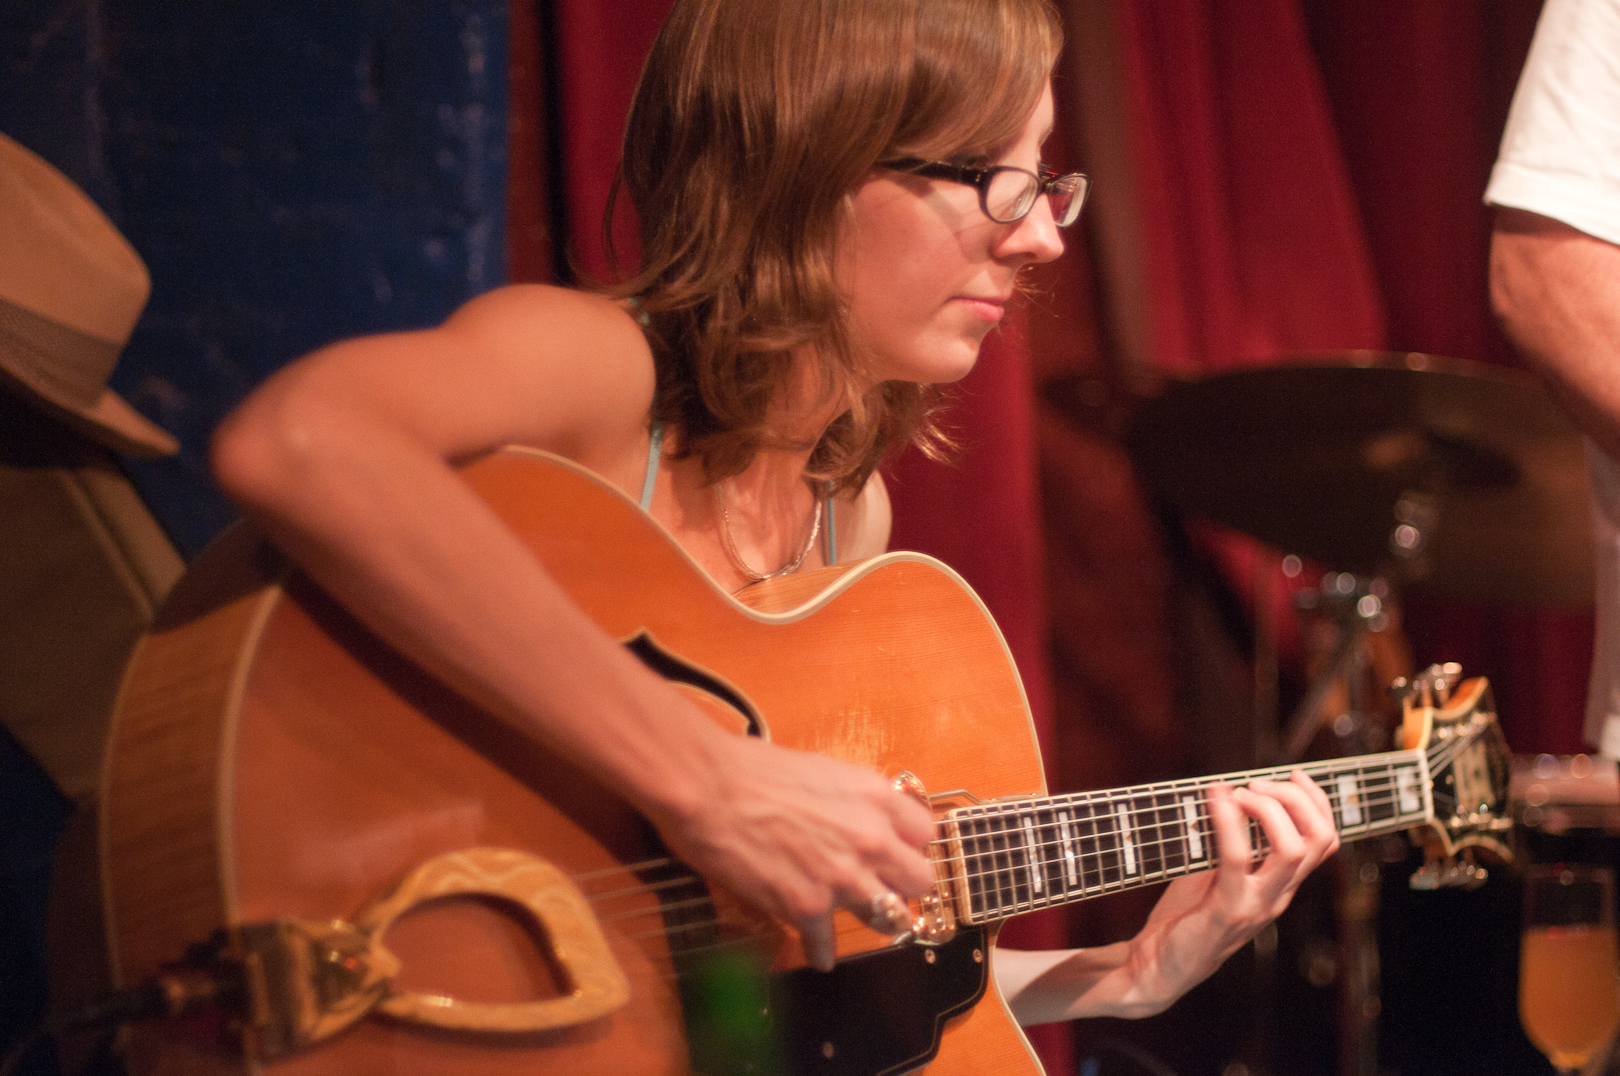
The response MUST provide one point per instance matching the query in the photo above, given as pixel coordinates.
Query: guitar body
(271, 758)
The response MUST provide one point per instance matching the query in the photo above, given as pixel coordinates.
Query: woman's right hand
(798, 835)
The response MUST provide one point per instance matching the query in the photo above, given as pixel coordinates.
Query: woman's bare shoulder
(523, 364)
(576, 362)
(545, 327)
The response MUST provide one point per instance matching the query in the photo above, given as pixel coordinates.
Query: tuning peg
(1436, 681)
(1449, 872)
(1463, 875)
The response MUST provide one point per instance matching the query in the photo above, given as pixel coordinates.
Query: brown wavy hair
(753, 122)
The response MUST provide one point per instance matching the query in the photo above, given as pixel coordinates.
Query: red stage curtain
(1420, 93)
(1254, 247)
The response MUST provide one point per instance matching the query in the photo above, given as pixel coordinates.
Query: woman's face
(927, 274)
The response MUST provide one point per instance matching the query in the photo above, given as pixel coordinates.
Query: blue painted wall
(292, 173)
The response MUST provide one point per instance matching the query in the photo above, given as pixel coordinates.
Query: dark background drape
(1272, 176)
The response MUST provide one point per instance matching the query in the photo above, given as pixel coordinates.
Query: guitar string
(1009, 877)
(670, 906)
(1061, 802)
(1011, 873)
(1011, 836)
(1374, 792)
(1368, 798)
(1369, 801)
(1439, 758)
(1366, 805)
(636, 890)
(1012, 840)
(1004, 907)
(1089, 861)
(1375, 782)
(668, 931)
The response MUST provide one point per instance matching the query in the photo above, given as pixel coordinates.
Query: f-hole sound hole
(476, 948)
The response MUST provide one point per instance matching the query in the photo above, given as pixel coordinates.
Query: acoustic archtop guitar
(394, 882)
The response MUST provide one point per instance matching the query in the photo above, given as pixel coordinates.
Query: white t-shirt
(1560, 157)
(1560, 153)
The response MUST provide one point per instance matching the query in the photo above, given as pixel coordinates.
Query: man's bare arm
(1557, 293)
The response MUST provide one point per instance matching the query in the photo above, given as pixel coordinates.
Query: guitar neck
(1019, 856)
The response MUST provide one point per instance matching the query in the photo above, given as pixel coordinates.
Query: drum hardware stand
(1304, 456)
(1356, 607)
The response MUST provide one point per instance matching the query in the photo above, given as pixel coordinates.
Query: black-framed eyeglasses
(1007, 193)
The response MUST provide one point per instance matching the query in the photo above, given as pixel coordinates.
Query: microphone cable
(181, 989)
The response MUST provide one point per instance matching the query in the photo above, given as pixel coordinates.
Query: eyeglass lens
(1011, 194)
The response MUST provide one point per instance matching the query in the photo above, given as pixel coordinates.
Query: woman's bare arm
(346, 459)
(1200, 921)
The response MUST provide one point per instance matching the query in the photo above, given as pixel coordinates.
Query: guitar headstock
(1453, 721)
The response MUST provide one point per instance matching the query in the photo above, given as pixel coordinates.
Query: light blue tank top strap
(655, 452)
(655, 444)
(832, 524)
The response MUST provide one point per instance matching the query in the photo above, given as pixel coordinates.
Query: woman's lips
(990, 310)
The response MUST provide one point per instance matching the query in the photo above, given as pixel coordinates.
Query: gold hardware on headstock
(1454, 721)
(1431, 685)
(1450, 872)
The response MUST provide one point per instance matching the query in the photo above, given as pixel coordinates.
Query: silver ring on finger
(888, 913)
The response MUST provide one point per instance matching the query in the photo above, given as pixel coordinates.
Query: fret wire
(1036, 847)
(1058, 876)
(1002, 862)
(967, 843)
(1389, 794)
(1066, 855)
(1398, 819)
(1324, 766)
(984, 858)
(1117, 883)
(982, 866)
(1093, 846)
(1394, 823)
(1388, 797)
(1151, 852)
(1380, 782)
(1100, 821)
(1055, 802)
(1111, 797)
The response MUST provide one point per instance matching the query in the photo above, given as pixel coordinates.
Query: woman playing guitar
(836, 199)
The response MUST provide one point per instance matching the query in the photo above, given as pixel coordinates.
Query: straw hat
(71, 290)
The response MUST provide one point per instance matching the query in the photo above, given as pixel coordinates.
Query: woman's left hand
(1200, 921)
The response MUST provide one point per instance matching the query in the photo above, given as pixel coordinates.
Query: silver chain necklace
(736, 557)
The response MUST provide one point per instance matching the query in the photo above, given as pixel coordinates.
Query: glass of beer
(1569, 968)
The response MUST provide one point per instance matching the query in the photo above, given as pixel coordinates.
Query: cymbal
(1328, 455)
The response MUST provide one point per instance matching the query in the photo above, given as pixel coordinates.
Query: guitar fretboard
(1008, 858)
